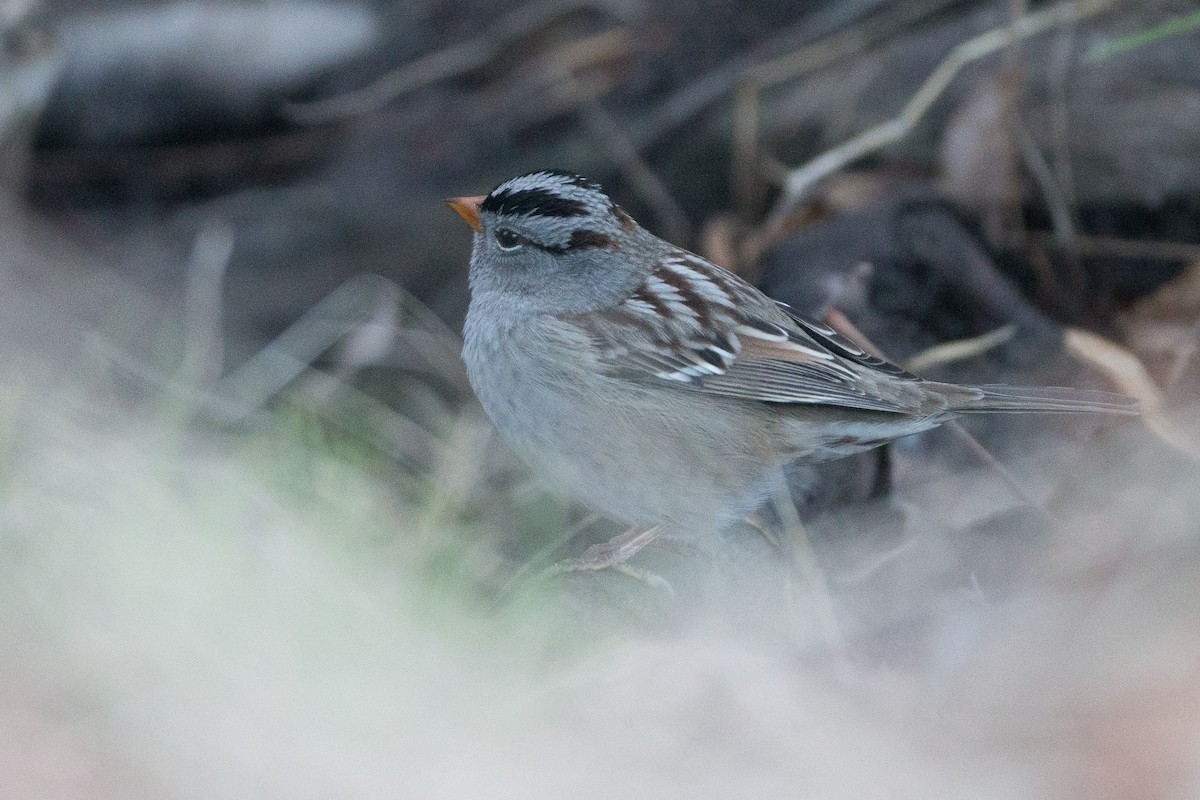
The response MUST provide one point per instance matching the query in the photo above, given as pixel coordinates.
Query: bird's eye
(508, 240)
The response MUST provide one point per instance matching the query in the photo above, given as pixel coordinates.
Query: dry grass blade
(1010, 480)
(1183, 356)
(372, 421)
(540, 559)
(202, 315)
(1087, 245)
(248, 388)
(1124, 44)
(843, 325)
(1053, 194)
(1130, 375)
(959, 350)
(811, 602)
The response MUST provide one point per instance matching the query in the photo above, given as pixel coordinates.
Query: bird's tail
(999, 398)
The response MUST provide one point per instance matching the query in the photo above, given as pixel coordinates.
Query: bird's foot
(615, 554)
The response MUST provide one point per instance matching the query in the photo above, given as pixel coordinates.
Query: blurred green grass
(208, 602)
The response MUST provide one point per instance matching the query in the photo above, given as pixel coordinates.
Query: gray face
(553, 242)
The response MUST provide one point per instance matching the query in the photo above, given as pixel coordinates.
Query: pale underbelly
(642, 462)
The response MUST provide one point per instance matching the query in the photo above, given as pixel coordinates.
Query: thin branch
(811, 57)
(621, 150)
(645, 182)
(1112, 246)
(453, 61)
(760, 66)
(801, 180)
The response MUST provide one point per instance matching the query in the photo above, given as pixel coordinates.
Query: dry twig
(1088, 245)
(752, 82)
(624, 154)
(458, 59)
(800, 181)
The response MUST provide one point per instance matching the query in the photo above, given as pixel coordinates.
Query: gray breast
(640, 454)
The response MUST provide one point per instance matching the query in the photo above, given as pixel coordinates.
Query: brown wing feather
(698, 327)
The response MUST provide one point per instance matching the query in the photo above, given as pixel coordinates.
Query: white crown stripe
(563, 186)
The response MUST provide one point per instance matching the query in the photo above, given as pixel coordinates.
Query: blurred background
(258, 540)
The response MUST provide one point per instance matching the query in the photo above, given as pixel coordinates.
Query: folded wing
(694, 325)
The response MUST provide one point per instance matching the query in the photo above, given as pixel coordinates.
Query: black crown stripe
(532, 202)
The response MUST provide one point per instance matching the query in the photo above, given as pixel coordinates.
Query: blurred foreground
(257, 540)
(285, 612)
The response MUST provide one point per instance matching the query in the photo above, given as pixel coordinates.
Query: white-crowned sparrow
(661, 388)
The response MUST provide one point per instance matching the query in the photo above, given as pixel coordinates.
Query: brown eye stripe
(583, 239)
(580, 240)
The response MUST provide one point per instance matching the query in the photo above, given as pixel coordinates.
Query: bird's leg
(618, 549)
(765, 529)
(615, 554)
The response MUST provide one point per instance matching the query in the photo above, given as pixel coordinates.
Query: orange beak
(468, 209)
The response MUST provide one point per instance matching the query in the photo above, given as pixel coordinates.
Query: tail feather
(999, 398)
